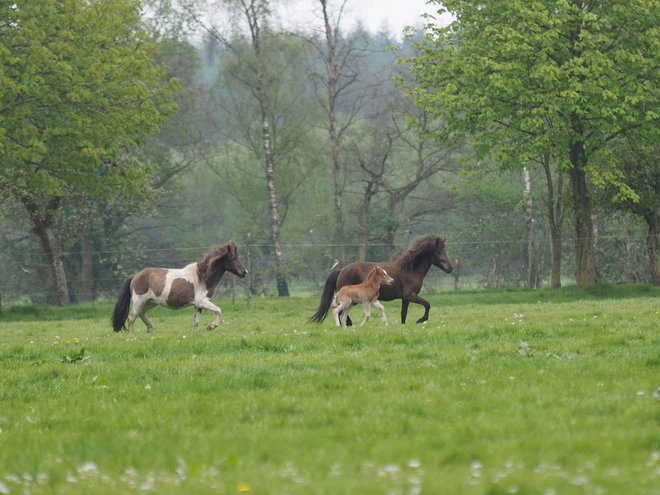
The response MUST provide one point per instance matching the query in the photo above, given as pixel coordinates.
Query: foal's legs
(367, 312)
(378, 305)
(335, 312)
(340, 312)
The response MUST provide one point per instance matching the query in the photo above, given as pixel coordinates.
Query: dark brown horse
(176, 288)
(408, 270)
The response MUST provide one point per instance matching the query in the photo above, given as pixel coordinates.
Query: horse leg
(138, 309)
(404, 310)
(378, 305)
(367, 312)
(344, 314)
(146, 321)
(418, 300)
(207, 304)
(197, 315)
(335, 311)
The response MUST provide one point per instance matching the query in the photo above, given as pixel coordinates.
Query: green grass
(500, 392)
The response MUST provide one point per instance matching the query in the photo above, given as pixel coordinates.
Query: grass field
(541, 392)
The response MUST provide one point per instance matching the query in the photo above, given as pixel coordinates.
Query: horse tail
(326, 298)
(120, 314)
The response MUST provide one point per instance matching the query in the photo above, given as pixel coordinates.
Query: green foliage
(522, 78)
(79, 85)
(75, 357)
(270, 404)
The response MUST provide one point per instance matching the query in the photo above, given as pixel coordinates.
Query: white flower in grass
(656, 394)
(4, 488)
(147, 387)
(88, 467)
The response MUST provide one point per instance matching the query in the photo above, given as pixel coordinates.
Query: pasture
(547, 392)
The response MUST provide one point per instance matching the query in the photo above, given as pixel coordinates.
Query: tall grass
(500, 392)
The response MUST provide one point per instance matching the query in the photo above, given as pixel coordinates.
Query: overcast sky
(395, 14)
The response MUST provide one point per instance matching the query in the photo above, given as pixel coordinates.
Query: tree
(640, 162)
(523, 79)
(260, 60)
(342, 91)
(79, 87)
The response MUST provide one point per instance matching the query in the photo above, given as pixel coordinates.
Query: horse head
(231, 262)
(383, 276)
(440, 258)
(222, 259)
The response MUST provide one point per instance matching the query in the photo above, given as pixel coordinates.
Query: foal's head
(381, 276)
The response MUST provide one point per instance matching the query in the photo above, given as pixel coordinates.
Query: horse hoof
(421, 320)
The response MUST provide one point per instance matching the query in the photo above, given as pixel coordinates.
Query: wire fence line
(203, 249)
(479, 263)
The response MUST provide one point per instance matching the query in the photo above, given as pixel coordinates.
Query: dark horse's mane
(410, 259)
(207, 268)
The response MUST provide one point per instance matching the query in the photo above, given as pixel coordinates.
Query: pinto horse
(176, 288)
(367, 293)
(408, 270)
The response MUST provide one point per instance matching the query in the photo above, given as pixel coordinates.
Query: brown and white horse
(176, 288)
(366, 293)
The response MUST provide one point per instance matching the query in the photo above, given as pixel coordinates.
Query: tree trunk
(585, 261)
(280, 273)
(86, 279)
(340, 235)
(529, 221)
(628, 254)
(652, 237)
(555, 219)
(390, 243)
(55, 263)
(363, 221)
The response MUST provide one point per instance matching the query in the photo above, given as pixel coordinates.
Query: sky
(395, 14)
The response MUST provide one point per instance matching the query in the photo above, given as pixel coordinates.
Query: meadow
(544, 392)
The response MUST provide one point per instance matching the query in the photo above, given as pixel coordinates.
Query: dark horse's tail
(326, 298)
(120, 314)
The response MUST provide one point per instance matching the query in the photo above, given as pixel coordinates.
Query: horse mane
(410, 259)
(208, 268)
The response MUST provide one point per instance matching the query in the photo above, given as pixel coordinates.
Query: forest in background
(350, 171)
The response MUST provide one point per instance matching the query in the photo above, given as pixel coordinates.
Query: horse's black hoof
(421, 320)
